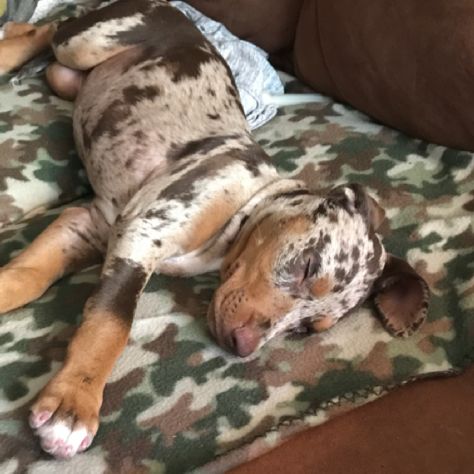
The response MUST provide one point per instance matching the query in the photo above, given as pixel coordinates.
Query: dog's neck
(251, 211)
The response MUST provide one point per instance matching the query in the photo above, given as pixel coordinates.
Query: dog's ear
(354, 196)
(375, 213)
(401, 297)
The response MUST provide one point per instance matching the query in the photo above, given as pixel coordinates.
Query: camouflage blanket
(39, 168)
(176, 402)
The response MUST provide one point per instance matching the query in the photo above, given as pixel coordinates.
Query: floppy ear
(401, 297)
(354, 196)
(375, 213)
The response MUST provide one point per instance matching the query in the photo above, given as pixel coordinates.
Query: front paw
(66, 417)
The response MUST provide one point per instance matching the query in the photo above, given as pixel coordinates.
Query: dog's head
(301, 261)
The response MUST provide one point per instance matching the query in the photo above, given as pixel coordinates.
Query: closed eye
(311, 267)
(306, 270)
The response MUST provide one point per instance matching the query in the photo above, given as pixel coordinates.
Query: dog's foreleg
(148, 232)
(66, 413)
(70, 243)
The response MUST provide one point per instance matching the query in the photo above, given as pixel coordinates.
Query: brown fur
(322, 286)
(91, 355)
(12, 30)
(323, 323)
(17, 48)
(209, 221)
(57, 251)
(261, 303)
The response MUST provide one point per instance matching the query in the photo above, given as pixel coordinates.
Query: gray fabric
(255, 77)
(18, 10)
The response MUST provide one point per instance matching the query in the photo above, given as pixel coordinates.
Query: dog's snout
(231, 321)
(244, 340)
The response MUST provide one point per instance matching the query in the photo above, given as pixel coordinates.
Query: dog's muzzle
(240, 340)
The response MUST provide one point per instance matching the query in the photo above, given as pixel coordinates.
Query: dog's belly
(133, 114)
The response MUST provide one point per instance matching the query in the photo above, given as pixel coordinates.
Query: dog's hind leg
(13, 29)
(17, 49)
(65, 81)
(70, 243)
(103, 33)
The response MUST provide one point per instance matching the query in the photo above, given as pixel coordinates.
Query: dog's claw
(39, 419)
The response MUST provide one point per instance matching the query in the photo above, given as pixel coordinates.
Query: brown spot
(443, 325)
(195, 359)
(202, 146)
(118, 292)
(109, 121)
(133, 94)
(342, 256)
(322, 286)
(355, 253)
(164, 345)
(340, 274)
(305, 369)
(115, 392)
(183, 188)
(178, 419)
(377, 362)
(323, 323)
(469, 206)
(426, 346)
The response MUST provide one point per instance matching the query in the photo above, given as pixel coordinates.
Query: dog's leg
(70, 243)
(65, 81)
(67, 410)
(100, 34)
(12, 29)
(66, 413)
(16, 50)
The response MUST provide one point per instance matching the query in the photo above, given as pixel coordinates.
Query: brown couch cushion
(409, 64)
(426, 427)
(270, 24)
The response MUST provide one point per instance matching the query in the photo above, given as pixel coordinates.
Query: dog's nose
(244, 340)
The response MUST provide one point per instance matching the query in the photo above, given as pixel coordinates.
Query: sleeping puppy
(182, 188)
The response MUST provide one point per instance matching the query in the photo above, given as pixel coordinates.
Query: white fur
(62, 440)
